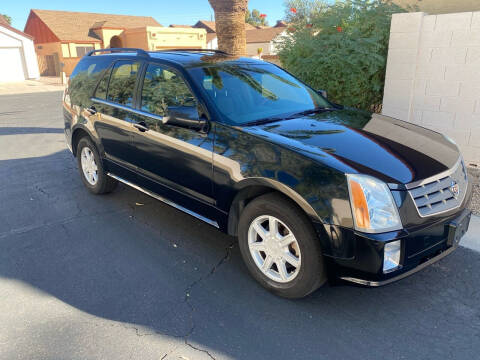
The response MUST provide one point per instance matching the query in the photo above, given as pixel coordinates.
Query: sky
(166, 12)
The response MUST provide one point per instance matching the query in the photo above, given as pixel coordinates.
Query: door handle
(141, 126)
(91, 110)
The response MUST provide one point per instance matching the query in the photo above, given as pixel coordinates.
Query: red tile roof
(76, 26)
(263, 35)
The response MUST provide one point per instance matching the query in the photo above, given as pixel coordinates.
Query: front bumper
(420, 248)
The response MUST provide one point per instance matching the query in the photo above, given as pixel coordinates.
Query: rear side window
(122, 82)
(85, 78)
(101, 91)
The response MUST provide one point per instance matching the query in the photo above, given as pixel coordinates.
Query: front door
(51, 68)
(177, 161)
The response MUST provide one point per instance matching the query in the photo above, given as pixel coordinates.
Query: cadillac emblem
(454, 189)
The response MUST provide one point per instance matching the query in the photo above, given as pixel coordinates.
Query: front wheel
(280, 247)
(91, 168)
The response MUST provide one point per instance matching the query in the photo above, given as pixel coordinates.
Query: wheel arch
(79, 133)
(251, 188)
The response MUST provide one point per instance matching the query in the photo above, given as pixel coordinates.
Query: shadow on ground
(131, 259)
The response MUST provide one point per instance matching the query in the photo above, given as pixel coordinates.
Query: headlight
(372, 204)
(391, 256)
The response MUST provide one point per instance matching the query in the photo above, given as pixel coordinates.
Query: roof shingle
(76, 26)
(263, 35)
(211, 28)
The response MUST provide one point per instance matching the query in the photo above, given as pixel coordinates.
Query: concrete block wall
(433, 75)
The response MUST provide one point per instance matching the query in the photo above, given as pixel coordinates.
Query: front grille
(437, 195)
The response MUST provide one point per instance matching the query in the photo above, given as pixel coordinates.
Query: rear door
(114, 103)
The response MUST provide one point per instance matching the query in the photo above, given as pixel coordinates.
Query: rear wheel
(280, 247)
(91, 168)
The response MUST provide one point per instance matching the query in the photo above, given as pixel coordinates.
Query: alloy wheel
(89, 166)
(274, 249)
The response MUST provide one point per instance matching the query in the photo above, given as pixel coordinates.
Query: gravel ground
(475, 203)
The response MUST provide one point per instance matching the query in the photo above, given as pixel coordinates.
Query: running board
(162, 199)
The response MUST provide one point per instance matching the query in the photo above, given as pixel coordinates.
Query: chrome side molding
(166, 201)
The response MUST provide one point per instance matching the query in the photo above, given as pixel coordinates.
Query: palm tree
(230, 25)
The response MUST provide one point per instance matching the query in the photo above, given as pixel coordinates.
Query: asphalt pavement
(123, 276)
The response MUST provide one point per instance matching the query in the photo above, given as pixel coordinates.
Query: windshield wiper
(287, 117)
(265, 121)
(311, 111)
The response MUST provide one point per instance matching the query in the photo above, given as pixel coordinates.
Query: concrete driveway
(123, 276)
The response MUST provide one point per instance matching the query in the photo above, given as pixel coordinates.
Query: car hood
(354, 141)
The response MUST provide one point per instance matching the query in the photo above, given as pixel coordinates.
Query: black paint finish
(215, 171)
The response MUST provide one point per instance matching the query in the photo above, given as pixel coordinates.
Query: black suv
(308, 186)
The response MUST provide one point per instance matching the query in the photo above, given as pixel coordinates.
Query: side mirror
(323, 93)
(185, 116)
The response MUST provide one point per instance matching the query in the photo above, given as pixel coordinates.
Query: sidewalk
(471, 239)
(30, 86)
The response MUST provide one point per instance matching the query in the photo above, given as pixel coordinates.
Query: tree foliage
(343, 49)
(303, 11)
(8, 18)
(255, 18)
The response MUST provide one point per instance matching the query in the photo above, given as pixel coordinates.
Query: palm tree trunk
(230, 25)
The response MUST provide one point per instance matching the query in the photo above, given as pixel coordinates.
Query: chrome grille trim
(434, 177)
(434, 196)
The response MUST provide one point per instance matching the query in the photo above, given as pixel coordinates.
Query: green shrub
(343, 50)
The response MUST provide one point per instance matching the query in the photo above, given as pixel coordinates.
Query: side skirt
(162, 199)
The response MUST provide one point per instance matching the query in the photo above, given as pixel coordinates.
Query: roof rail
(140, 52)
(199, 50)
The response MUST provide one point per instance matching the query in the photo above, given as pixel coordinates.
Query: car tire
(286, 280)
(91, 168)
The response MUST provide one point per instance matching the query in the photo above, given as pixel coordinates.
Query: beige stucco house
(62, 37)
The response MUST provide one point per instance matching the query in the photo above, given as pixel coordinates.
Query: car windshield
(249, 93)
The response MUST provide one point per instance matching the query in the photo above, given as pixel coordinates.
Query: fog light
(391, 256)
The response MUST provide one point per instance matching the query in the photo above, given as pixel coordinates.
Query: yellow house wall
(70, 49)
(65, 50)
(158, 38)
(107, 35)
(73, 49)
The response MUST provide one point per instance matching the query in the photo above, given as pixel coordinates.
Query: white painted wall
(213, 44)
(11, 68)
(18, 60)
(433, 75)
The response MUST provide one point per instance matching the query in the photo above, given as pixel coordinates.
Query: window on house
(83, 50)
(122, 82)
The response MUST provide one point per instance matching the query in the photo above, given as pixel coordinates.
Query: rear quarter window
(85, 78)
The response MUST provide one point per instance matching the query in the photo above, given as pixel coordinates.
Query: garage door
(11, 65)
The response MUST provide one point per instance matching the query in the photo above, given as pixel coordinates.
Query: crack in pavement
(225, 258)
(186, 300)
(25, 229)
